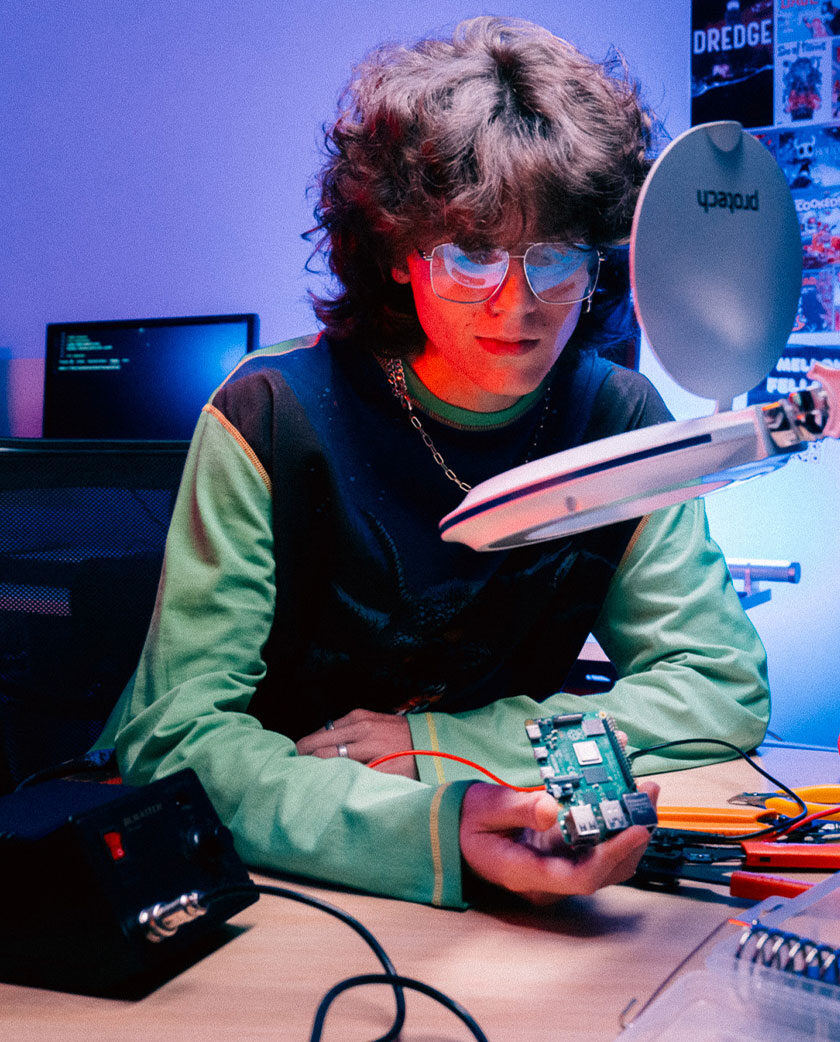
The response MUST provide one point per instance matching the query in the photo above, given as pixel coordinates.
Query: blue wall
(155, 160)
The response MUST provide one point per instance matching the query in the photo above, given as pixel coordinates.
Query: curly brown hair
(460, 137)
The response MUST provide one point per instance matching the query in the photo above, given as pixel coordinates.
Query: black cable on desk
(363, 932)
(345, 917)
(394, 980)
(390, 976)
(785, 826)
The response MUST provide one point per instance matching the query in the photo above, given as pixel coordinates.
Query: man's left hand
(365, 736)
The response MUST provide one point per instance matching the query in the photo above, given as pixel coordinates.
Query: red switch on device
(113, 841)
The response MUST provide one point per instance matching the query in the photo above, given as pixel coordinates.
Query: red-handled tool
(755, 887)
(673, 856)
(814, 856)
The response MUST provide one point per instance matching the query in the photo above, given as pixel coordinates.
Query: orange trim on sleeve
(437, 860)
(274, 351)
(435, 744)
(634, 538)
(211, 410)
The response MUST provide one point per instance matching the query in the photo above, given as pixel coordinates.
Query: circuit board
(583, 766)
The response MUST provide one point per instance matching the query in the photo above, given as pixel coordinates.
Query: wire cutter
(815, 797)
(757, 810)
(674, 855)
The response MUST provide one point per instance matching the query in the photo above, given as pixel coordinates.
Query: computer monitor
(138, 378)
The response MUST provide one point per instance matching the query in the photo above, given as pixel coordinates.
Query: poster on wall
(803, 82)
(791, 371)
(807, 20)
(732, 61)
(774, 66)
(809, 157)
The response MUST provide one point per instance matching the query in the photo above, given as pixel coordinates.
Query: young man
(310, 619)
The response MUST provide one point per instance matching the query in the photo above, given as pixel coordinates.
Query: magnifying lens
(716, 269)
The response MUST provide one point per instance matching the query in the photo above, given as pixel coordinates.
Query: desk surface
(562, 975)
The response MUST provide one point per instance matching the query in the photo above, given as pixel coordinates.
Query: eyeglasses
(556, 272)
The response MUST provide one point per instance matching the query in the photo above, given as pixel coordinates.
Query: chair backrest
(82, 531)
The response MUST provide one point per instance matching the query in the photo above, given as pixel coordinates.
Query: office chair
(82, 532)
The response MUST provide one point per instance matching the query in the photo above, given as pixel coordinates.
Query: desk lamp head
(716, 261)
(716, 269)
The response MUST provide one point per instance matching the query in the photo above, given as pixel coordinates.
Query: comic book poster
(809, 158)
(835, 79)
(819, 228)
(799, 40)
(732, 61)
(790, 372)
(804, 82)
(816, 302)
(806, 20)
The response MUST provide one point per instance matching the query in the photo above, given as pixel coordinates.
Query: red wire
(835, 809)
(460, 759)
(813, 816)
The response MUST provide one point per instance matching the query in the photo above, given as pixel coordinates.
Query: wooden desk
(560, 975)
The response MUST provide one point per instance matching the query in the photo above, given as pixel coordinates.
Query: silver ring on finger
(342, 750)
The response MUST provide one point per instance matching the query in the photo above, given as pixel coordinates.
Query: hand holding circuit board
(583, 766)
(519, 842)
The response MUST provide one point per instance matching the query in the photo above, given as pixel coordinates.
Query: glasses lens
(467, 276)
(561, 274)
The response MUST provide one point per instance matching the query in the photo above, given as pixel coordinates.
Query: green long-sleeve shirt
(247, 536)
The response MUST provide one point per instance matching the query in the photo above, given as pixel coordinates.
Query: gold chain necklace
(396, 378)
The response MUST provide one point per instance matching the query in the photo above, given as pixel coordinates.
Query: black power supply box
(110, 889)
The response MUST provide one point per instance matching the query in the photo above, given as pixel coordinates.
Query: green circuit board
(583, 766)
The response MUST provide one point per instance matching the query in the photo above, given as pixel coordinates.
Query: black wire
(782, 826)
(390, 976)
(395, 981)
(363, 932)
(94, 760)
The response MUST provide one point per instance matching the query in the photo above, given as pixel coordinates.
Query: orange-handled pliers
(723, 821)
(757, 810)
(815, 797)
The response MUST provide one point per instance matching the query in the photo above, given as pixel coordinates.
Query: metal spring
(790, 953)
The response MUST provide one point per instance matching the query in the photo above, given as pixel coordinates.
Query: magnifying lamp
(716, 269)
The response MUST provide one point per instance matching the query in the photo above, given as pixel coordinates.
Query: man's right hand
(512, 839)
